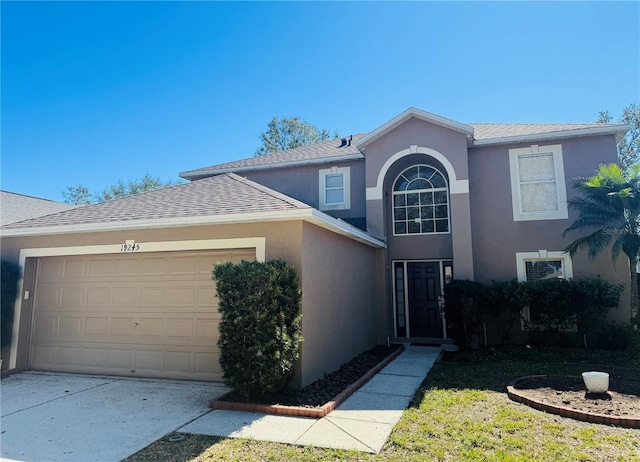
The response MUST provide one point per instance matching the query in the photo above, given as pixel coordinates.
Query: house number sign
(129, 246)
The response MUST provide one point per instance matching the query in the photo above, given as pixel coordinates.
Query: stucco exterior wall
(340, 306)
(450, 143)
(283, 241)
(497, 237)
(302, 183)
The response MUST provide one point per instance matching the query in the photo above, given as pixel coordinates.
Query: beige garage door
(144, 315)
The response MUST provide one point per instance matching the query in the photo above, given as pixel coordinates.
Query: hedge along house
(375, 225)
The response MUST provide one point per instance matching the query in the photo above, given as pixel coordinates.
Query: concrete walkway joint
(362, 423)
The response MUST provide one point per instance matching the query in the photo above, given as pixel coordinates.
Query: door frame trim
(406, 292)
(257, 243)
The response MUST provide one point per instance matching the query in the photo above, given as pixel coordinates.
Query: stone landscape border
(299, 411)
(584, 416)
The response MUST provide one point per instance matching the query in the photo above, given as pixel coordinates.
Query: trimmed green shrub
(463, 301)
(614, 336)
(260, 329)
(559, 309)
(551, 306)
(9, 274)
(503, 302)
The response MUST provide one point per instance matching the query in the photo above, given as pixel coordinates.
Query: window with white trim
(420, 202)
(541, 265)
(538, 189)
(334, 188)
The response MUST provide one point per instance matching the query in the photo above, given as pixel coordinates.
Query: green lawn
(460, 413)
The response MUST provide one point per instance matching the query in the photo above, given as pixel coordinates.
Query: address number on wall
(129, 247)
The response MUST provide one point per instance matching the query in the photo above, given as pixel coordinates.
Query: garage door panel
(207, 330)
(98, 297)
(126, 267)
(70, 326)
(207, 297)
(147, 315)
(183, 265)
(99, 268)
(43, 354)
(181, 296)
(120, 359)
(51, 269)
(122, 327)
(123, 296)
(48, 297)
(180, 328)
(73, 297)
(149, 329)
(96, 329)
(153, 266)
(74, 269)
(148, 361)
(178, 361)
(151, 296)
(46, 326)
(208, 364)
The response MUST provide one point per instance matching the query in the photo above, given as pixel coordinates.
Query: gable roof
(327, 151)
(222, 199)
(478, 134)
(17, 207)
(410, 113)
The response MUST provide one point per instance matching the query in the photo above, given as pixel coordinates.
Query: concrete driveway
(65, 417)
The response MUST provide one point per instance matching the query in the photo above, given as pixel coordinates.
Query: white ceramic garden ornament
(596, 382)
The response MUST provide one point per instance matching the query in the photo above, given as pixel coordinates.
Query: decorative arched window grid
(420, 202)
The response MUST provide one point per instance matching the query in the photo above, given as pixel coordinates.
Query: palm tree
(610, 210)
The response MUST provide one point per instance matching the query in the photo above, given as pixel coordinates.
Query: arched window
(420, 202)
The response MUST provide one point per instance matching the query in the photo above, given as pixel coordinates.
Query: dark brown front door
(424, 289)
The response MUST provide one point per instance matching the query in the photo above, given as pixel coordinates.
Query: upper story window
(420, 202)
(538, 190)
(335, 188)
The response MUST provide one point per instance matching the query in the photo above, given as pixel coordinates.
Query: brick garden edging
(299, 411)
(584, 416)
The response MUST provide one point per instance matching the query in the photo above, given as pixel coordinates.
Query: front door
(424, 288)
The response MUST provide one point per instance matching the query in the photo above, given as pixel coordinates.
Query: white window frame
(396, 193)
(540, 255)
(561, 190)
(346, 183)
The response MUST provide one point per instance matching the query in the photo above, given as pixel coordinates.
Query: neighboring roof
(327, 151)
(413, 112)
(480, 134)
(17, 207)
(226, 198)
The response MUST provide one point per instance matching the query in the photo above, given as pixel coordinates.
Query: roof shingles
(325, 150)
(331, 150)
(217, 195)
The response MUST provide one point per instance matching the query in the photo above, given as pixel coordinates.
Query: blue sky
(96, 92)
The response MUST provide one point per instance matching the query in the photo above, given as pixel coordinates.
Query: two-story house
(375, 225)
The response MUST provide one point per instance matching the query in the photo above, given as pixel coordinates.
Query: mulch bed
(622, 399)
(321, 391)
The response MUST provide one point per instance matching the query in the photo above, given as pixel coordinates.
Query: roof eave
(306, 214)
(619, 131)
(198, 174)
(406, 115)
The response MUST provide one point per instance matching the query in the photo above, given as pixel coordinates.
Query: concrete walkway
(362, 423)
